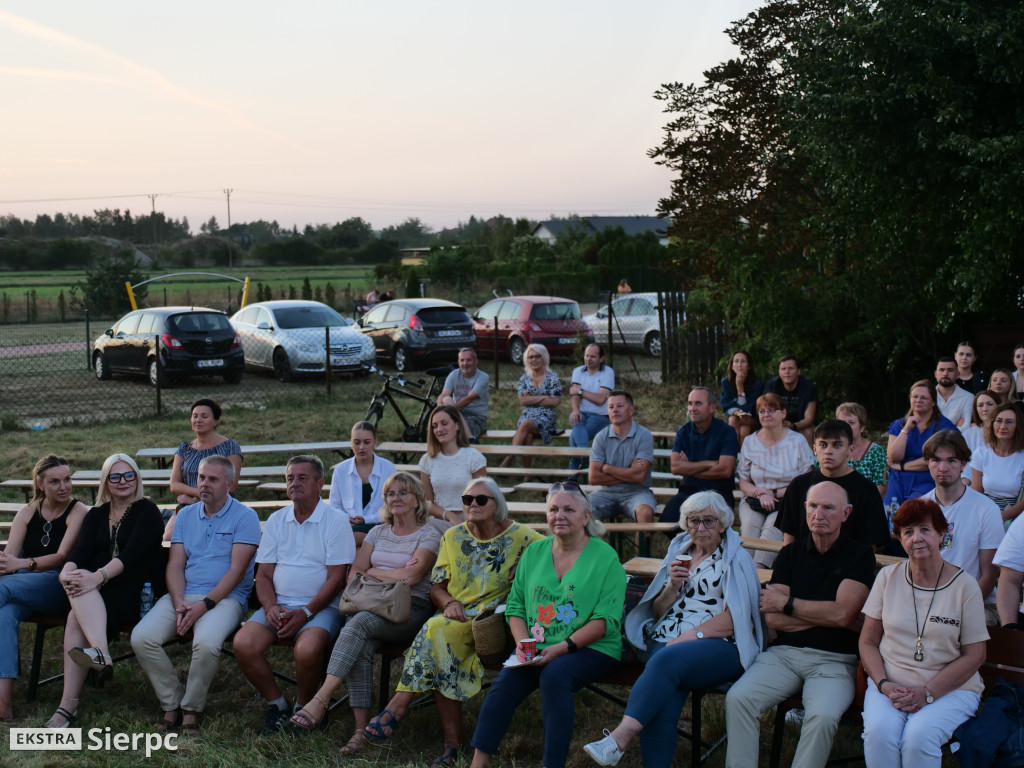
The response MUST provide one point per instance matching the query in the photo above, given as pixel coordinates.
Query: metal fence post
(88, 356)
(159, 376)
(327, 357)
(497, 380)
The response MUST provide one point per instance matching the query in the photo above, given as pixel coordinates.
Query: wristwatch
(700, 635)
(571, 645)
(928, 698)
(309, 613)
(788, 609)
(210, 605)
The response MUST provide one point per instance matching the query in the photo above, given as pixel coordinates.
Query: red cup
(685, 559)
(529, 648)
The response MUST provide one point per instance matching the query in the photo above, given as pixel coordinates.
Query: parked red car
(522, 320)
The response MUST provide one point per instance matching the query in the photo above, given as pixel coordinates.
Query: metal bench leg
(37, 660)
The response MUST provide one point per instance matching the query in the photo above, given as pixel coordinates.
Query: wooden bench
(165, 456)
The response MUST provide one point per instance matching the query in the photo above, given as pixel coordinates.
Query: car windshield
(200, 322)
(564, 311)
(308, 317)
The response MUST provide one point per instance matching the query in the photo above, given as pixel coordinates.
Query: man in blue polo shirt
(209, 577)
(704, 454)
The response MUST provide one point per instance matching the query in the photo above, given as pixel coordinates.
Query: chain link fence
(48, 369)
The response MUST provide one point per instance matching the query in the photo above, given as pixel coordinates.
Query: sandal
(359, 742)
(69, 718)
(191, 722)
(448, 758)
(91, 658)
(378, 724)
(305, 722)
(169, 722)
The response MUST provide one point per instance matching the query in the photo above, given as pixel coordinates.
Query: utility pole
(152, 199)
(227, 193)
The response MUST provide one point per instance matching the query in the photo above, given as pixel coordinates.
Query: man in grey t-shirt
(468, 390)
(620, 460)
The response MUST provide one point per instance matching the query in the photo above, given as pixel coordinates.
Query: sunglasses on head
(481, 499)
(569, 486)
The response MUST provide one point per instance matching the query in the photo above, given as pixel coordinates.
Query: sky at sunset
(320, 111)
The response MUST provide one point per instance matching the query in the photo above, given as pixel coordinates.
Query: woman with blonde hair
(449, 463)
(402, 548)
(41, 538)
(867, 457)
(908, 471)
(540, 393)
(119, 549)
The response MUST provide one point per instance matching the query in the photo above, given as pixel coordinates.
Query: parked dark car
(194, 341)
(522, 320)
(413, 331)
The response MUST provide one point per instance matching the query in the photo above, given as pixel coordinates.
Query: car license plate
(450, 332)
(567, 340)
(339, 360)
(215, 363)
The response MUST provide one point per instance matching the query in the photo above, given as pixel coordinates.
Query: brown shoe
(191, 722)
(169, 722)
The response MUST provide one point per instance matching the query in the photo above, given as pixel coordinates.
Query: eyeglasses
(534, 357)
(47, 527)
(697, 522)
(1005, 422)
(481, 499)
(116, 477)
(766, 411)
(397, 495)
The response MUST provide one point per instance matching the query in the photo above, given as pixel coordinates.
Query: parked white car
(634, 324)
(288, 337)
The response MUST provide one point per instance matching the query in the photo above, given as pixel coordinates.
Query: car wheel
(235, 377)
(157, 377)
(652, 343)
(282, 365)
(400, 358)
(99, 365)
(516, 350)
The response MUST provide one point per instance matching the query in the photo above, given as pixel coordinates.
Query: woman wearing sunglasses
(41, 537)
(119, 549)
(699, 624)
(473, 573)
(567, 596)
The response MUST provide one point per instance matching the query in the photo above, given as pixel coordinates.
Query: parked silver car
(288, 337)
(634, 323)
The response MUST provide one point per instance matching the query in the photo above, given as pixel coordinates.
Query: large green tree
(817, 173)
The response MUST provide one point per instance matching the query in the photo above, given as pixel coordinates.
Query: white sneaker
(604, 752)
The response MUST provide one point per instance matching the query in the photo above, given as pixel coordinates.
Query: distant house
(414, 257)
(591, 225)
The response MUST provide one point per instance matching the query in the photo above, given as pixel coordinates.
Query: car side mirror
(265, 326)
(109, 332)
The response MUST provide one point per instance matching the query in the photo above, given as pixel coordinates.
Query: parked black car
(193, 341)
(412, 331)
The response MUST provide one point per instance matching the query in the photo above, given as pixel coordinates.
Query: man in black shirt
(799, 395)
(866, 523)
(813, 603)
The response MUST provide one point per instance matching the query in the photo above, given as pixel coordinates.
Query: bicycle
(412, 431)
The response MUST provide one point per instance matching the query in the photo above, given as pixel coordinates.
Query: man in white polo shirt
(591, 384)
(303, 560)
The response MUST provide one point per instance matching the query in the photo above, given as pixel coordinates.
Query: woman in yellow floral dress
(474, 571)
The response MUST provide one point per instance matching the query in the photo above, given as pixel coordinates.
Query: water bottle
(146, 601)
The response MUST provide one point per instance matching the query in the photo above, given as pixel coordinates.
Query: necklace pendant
(919, 651)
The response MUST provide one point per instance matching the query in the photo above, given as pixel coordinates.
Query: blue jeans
(558, 682)
(581, 435)
(658, 695)
(23, 594)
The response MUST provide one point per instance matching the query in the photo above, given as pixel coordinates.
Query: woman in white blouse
(448, 465)
(357, 483)
(997, 466)
(768, 462)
